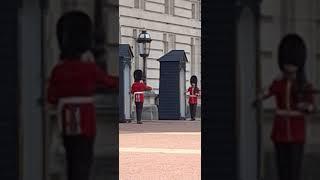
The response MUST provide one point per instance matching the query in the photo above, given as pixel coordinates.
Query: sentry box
(172, 96)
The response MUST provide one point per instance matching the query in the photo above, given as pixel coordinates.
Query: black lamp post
(144, 41)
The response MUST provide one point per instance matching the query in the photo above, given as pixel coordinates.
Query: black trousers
(193, 110)
(289, 160)
(139, 107)
(79, 155)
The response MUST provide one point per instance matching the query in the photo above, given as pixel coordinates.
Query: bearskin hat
(74, 33)
(292, 50)
(137, 75)
(194, 80)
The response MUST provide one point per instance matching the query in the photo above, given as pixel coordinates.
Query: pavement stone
(160, 150)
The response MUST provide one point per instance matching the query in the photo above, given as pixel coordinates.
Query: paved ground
(160, 150)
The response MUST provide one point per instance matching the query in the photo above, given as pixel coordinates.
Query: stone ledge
(149, 112)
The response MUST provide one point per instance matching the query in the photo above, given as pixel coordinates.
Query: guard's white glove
(87, 57)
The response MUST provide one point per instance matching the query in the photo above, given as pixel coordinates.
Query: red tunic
(289, 122)
(72, 86)
(138, 89)
(193, 95)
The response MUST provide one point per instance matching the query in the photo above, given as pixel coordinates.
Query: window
(169, 7)
(172, 42)
(120, 34)
(193, 11)
(196, 10)
(198, 55)
(195, 56)
(193, 59)
(166, 6)
(169, 42)
(142, 4)
(165, 44)
(139, 4)
(136, 3)
(199, 8)
(135, 48)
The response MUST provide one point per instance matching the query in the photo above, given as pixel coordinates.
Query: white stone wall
(280, 17)
(178, 29)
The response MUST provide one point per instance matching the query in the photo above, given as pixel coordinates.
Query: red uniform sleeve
(198, 92)
(51, 90)
(133, 89)
(189, 90)
(147, 88)
(107, 81)
(307, 104)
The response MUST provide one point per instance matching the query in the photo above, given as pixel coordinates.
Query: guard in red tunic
(71, 88)
(137, 89)
(294, 99)
(194, 93)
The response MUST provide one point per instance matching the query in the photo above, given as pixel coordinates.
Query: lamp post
(144, 41)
